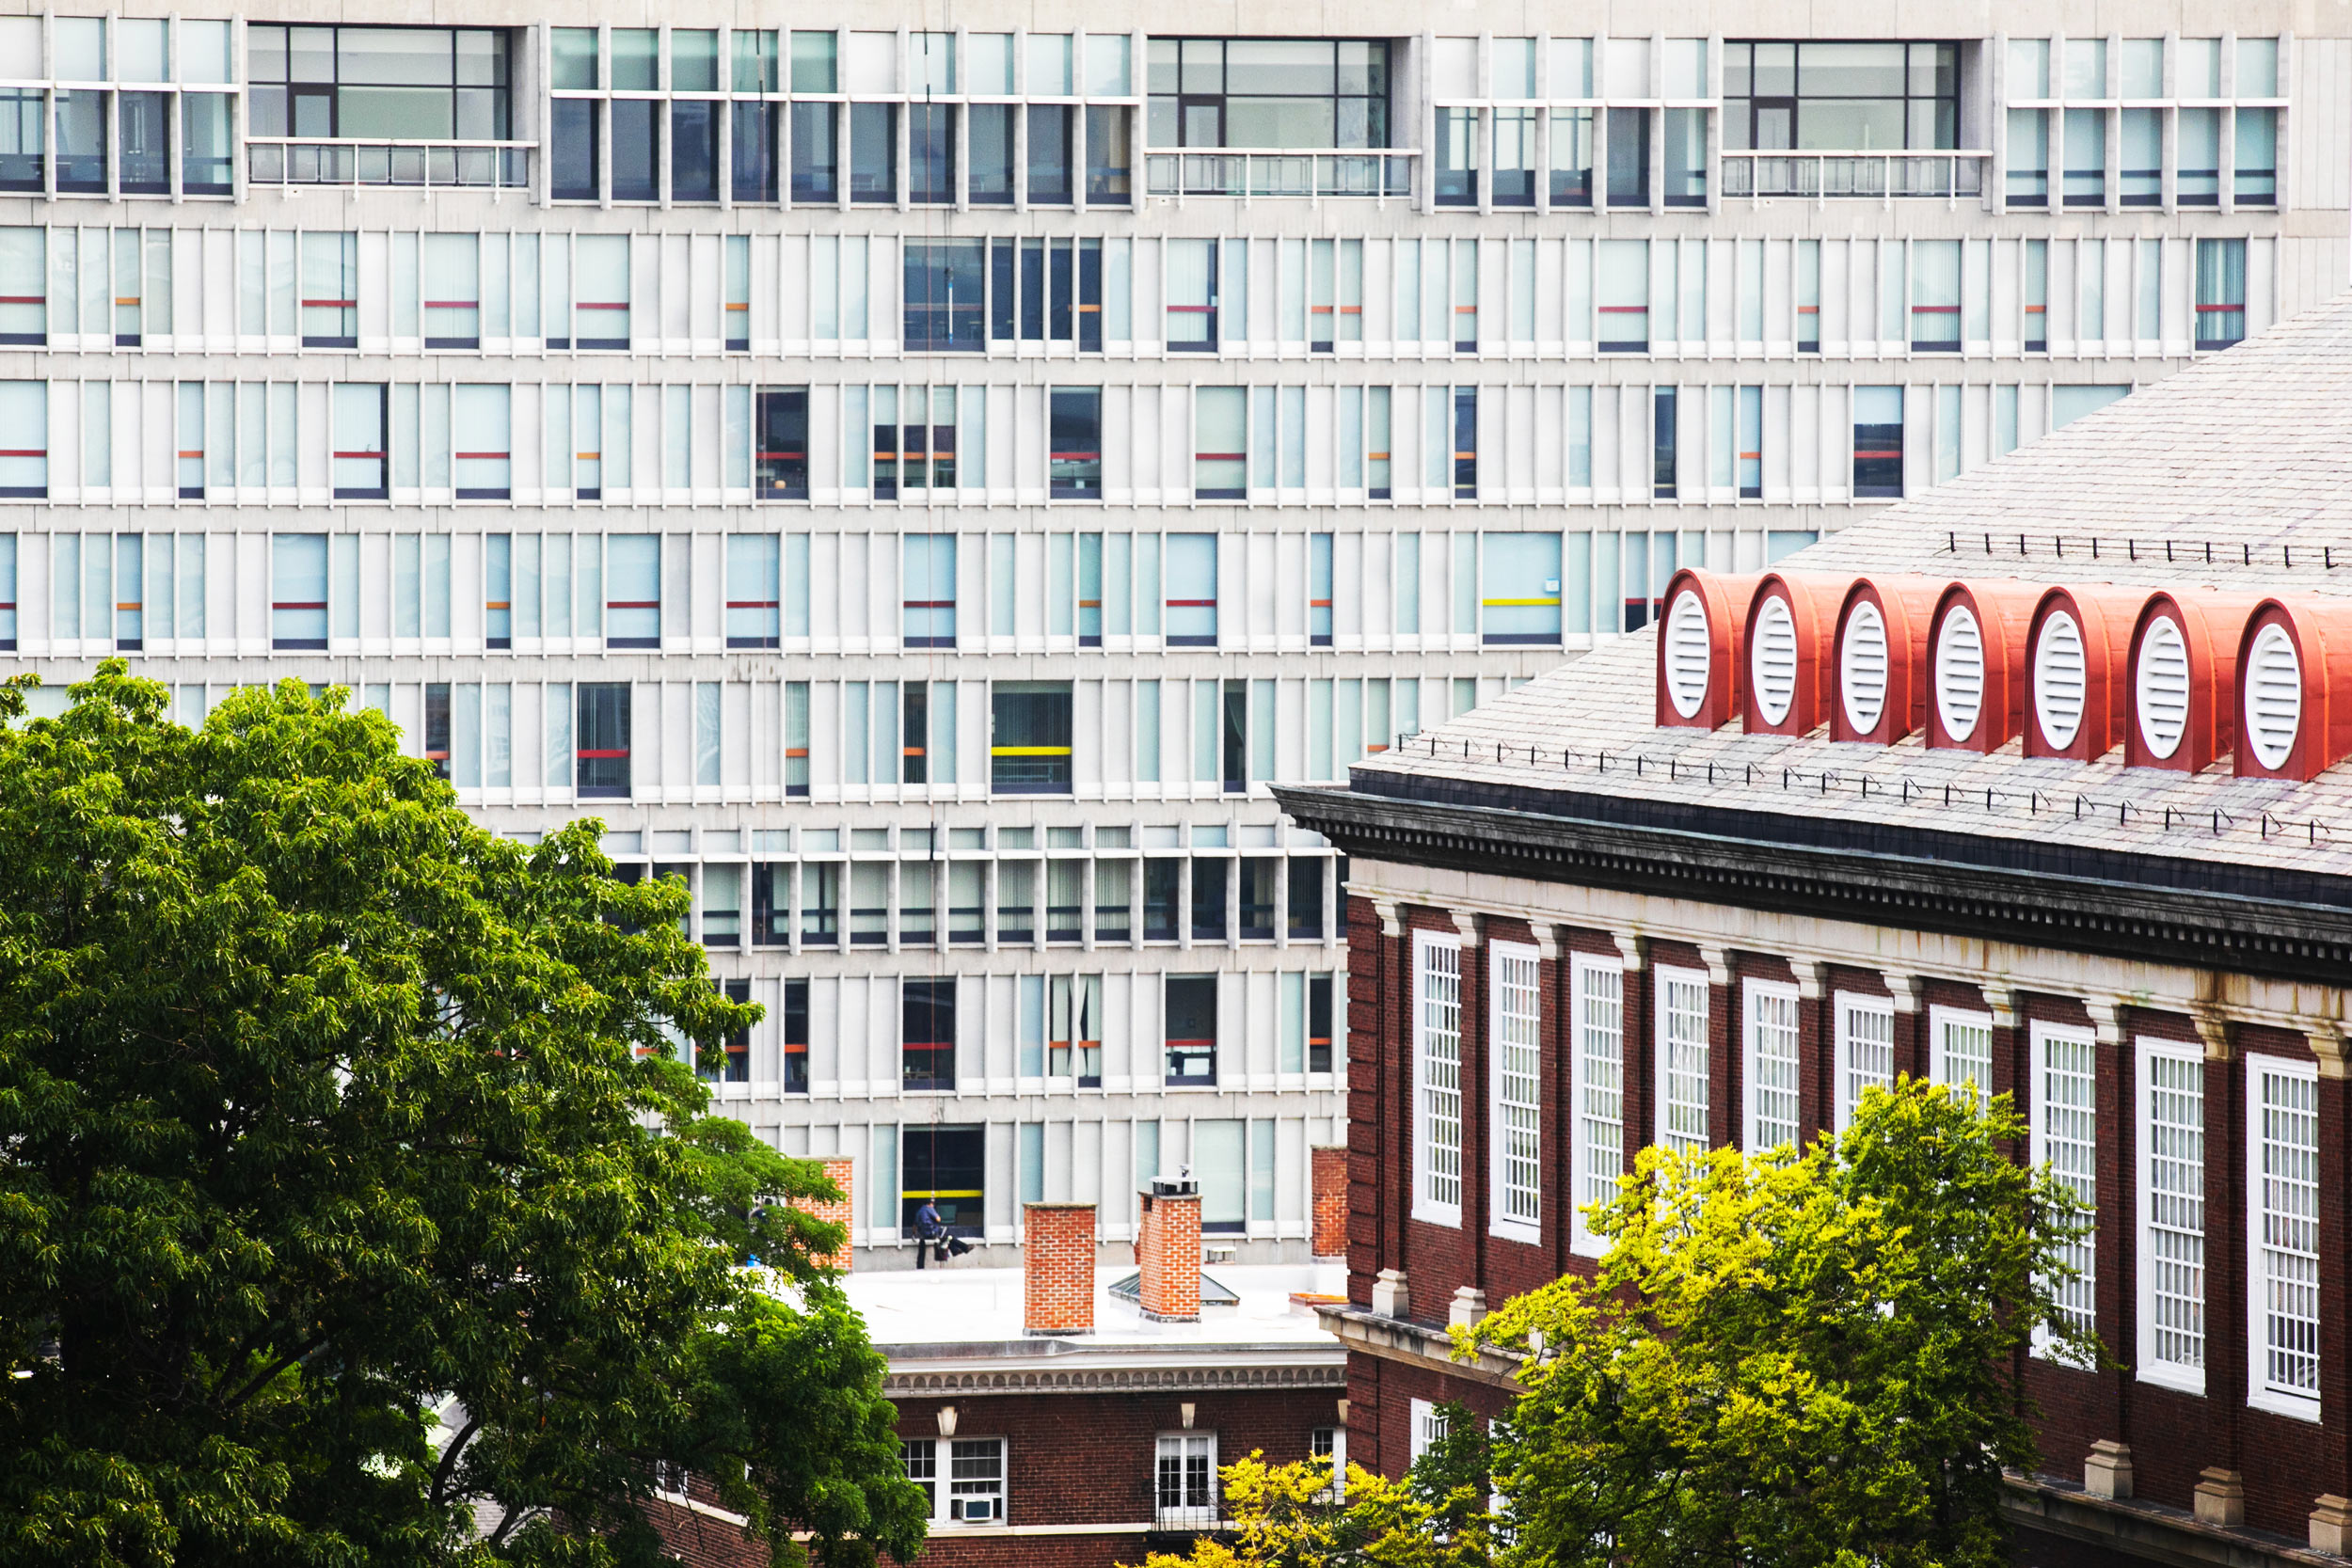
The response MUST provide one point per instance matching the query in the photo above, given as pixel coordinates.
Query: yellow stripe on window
(1028, 750)
(942, 1191)
(1507, 604)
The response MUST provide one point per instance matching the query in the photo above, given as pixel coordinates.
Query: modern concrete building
(921, 480)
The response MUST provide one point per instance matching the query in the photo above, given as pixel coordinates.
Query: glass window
(873, 152)
(1029, 738)
(2172, 1205)
(1075, 456)
(947, 295)
(780, 466)
(603, 733)
(2220, 292)
(360, 449)
(755, 601)
(1436, 1079)
(1519, 579)
(1184, 1487)
(2256, 181)
(297, 591)
(1629, 158)
(381, 83)
(1878, 442)
(2066, 1139)
(946, 1165)
(816, 149)
(927, 1036)
(2283, 1228)
(928, 582)
(1268, 92)
(930, 153)
(1191, 1032)
(1841, 97)
(1682, 1060)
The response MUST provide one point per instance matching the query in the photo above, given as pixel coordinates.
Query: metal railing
(1844, 176)
(298, 161)
(1381, 173)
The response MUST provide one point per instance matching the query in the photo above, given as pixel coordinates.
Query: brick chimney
(1168, 1251)
(832, 1212)
(1057, 1268)
(1328, 1172)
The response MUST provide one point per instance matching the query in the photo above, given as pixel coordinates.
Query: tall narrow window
(1465, 431)
(1437, 1078)
(482, 430)
(1049, 171)
(359, 451)
(632, 589)
(2283, 1235)
(1960, 1048)
(1458, 158)
(794, 1033)
(754, 598)
(1074, 459)
(780, 470)
(2172, 1209)
(1629, 157)
(1191, 1028)
(1772, 1066)
(600, 297)
(1074, 1028)
(451, 285)
(815, 153)
(1866, 1050)
(2066, 1138)
(130, 603)
(1682, 1066)
(24, 271)
(1191, 579)
(1621, 296)
(1517, 1068)
(2255, 180)
(1935, 296)
(1191, 292)
(929, 575)
(1878, 442)
(1319, 590)
(1185, 1488)
(497, 589)
(928, 1034)
(1319, 1027)
(299, 591)
(603, 732)
(1598, 999)
(330, 289)
(2220, 292)
(2029, 168)
(1664, 448)
(1220, 443)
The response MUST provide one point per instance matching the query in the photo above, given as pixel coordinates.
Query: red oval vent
(1880, 661)
(2181, 689)
(2294, 654)
(1785, 689)
(1977, 664)
(1699, 664)
(2077, 653)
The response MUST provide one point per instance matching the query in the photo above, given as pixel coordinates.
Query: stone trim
(1113, 1380)
(2147, 1531)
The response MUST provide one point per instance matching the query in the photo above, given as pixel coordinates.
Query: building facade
(1246, 402)
(2059, 812)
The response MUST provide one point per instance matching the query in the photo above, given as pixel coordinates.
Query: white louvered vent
(1689, 654)
(2060, 673)
(1773, 662)
(1959, 674)
(1862, 668)
(2163, 687)
(2274, 696)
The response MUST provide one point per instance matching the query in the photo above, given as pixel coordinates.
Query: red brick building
(2037, 781)
(1067, 1414)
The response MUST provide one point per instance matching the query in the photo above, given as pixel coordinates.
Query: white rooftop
(952, 1313)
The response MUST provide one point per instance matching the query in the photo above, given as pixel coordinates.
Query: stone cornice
(1329, 1372)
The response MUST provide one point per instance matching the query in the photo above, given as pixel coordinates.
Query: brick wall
(1167, 1256)
(1327, 1181)
(1057, 1268)
(834, 1212)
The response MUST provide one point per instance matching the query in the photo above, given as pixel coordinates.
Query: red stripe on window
(633, 604)
(752, 604)
(767, 454)
(1613, 309)
(1859, 452)
(619, 753)
(1219, 456)
(200, 454)
(312, 304)
(291, 604)
(1192, 604)
(28, 453)
(483, 457)
(453, 304)
(928, 604)
(339, 454)
(1061, 456)
(600, 305)
(22, 299)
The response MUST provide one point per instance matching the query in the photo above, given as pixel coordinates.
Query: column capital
(1473, 927)
(1547, 940)
(1812, 977)
(1391, 925)
(2106, 1018)
(1718, 962)
(1633, 949)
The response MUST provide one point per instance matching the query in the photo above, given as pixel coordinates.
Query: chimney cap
(1179, 1187)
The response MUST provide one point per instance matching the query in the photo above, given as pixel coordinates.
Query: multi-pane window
(2172, 1209)
(928, 1034)
(2283, 1235)
(1190, 1034)
(947, 295)
(1866, 1050)
(1437, 1078)
(2066, 1139)
(1839, 96)
(1621, 296)
(1516, 1057)
(1265, 93)
(1029, 738)
(1682, 1063)
(1771, 1065)
(1430, 1426)
(602, 733)
(1960, 1048)
(1184, 1480)
(1597, 986)
(377, 84)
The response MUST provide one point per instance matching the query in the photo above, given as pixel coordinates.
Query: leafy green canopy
(1794, 1359)
(354, 1209)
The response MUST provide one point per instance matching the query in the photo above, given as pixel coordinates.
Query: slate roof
(2235, 473)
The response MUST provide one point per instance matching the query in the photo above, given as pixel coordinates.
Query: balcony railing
(1842, 176)
(1280, 172)
(293, 161)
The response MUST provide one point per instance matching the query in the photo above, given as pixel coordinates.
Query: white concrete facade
(284, 391)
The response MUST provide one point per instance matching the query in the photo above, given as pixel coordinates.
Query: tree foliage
(1289, 1516)
(355, 1208)
(1793, 1359)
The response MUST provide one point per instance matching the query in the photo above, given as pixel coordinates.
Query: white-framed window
(1515, 1055)
(1866, 1050)
(1960, 1048)
(2171, 1112)
(972, 1489)
(2283, 1236)
(1596, 994)
(1682, 1059)
(1437, 1078)
(1329, 1445)
(2066, 1138)
(1185, 1479)
(1771, 1115)
(1429, 1425)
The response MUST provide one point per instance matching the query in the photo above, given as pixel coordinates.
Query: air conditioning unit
(976, 1511)
(1217, 1254)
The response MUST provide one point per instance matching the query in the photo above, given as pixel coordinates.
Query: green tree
(1793, 1359)
(352, 1199)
